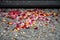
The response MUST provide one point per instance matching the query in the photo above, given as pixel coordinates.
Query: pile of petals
(29, 16)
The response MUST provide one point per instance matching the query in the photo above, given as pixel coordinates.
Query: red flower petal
(36, 28)
(13, 14)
